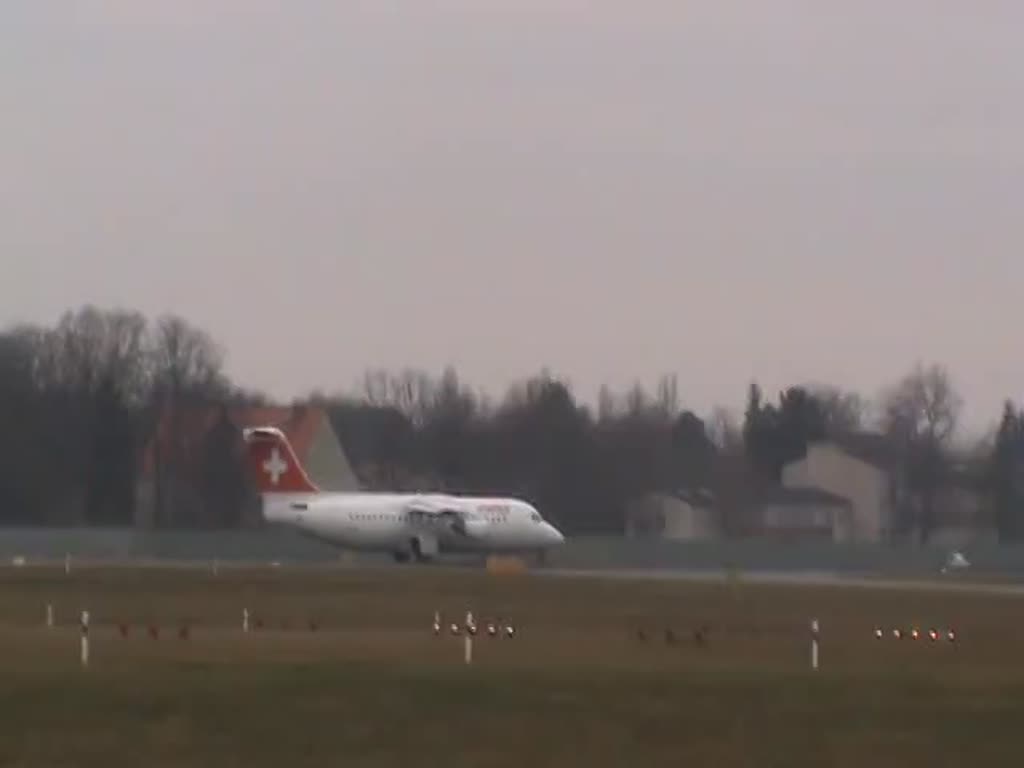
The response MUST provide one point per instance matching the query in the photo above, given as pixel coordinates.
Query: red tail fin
(273, 463)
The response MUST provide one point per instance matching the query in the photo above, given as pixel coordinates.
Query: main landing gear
(415, 552)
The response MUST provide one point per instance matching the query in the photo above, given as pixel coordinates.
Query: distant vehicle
(410, 526)
(955, 562)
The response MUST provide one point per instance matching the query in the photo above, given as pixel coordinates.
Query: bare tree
(637, 402)
(31, 475)
(606, 406)
(920, 416)
(185, 361)
(86, 393)
(91, 370)
(844, 412)
(412, 393)
(668, 395)
(924, 405)
(724, 431)
(185, 369)
(402, 389)
(375, 387)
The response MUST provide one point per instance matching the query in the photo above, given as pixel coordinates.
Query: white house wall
(683, 521)
(830, 469)
(680, 519)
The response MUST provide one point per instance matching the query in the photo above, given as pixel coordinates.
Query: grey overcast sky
(790, 190)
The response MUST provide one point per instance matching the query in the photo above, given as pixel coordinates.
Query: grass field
(576, 686)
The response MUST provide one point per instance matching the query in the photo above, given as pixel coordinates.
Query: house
(802, 513)
(192, 473)
(865, 469)
(681, 514)
(861, 468)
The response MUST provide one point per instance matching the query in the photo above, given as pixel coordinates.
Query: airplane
(409, 526)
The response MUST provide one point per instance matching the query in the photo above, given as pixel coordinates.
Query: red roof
(192, 424)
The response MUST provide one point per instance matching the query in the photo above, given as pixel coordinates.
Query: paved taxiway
(940, 583)
(950, 582)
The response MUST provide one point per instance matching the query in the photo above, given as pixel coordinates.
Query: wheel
(417, 551)
(401, 557)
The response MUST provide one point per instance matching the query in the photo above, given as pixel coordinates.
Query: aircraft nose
(552, 534)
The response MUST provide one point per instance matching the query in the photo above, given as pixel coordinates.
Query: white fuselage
(385, 522)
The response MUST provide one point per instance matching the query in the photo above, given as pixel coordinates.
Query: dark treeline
(80, 400)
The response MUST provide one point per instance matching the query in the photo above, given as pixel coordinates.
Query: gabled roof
(872, 448)
(695, 497)
(190, 425)
(879, 451)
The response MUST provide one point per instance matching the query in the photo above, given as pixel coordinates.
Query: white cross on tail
(275, 466)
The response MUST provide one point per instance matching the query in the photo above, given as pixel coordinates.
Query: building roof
(190, 425)
(879, 451)
(872, 448)
(803, 495)
(695, 497)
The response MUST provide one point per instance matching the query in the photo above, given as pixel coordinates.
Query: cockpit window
(535, 517)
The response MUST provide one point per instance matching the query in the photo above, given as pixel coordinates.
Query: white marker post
(814, 644)
(49, 616)
(67, 564)
(437, 622)
(245, 619)
(85, 638)
(468, 638)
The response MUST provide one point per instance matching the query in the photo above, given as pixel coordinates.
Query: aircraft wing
(434, 511)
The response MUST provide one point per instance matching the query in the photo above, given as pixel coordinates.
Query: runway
(959, 582)
(941, 583)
